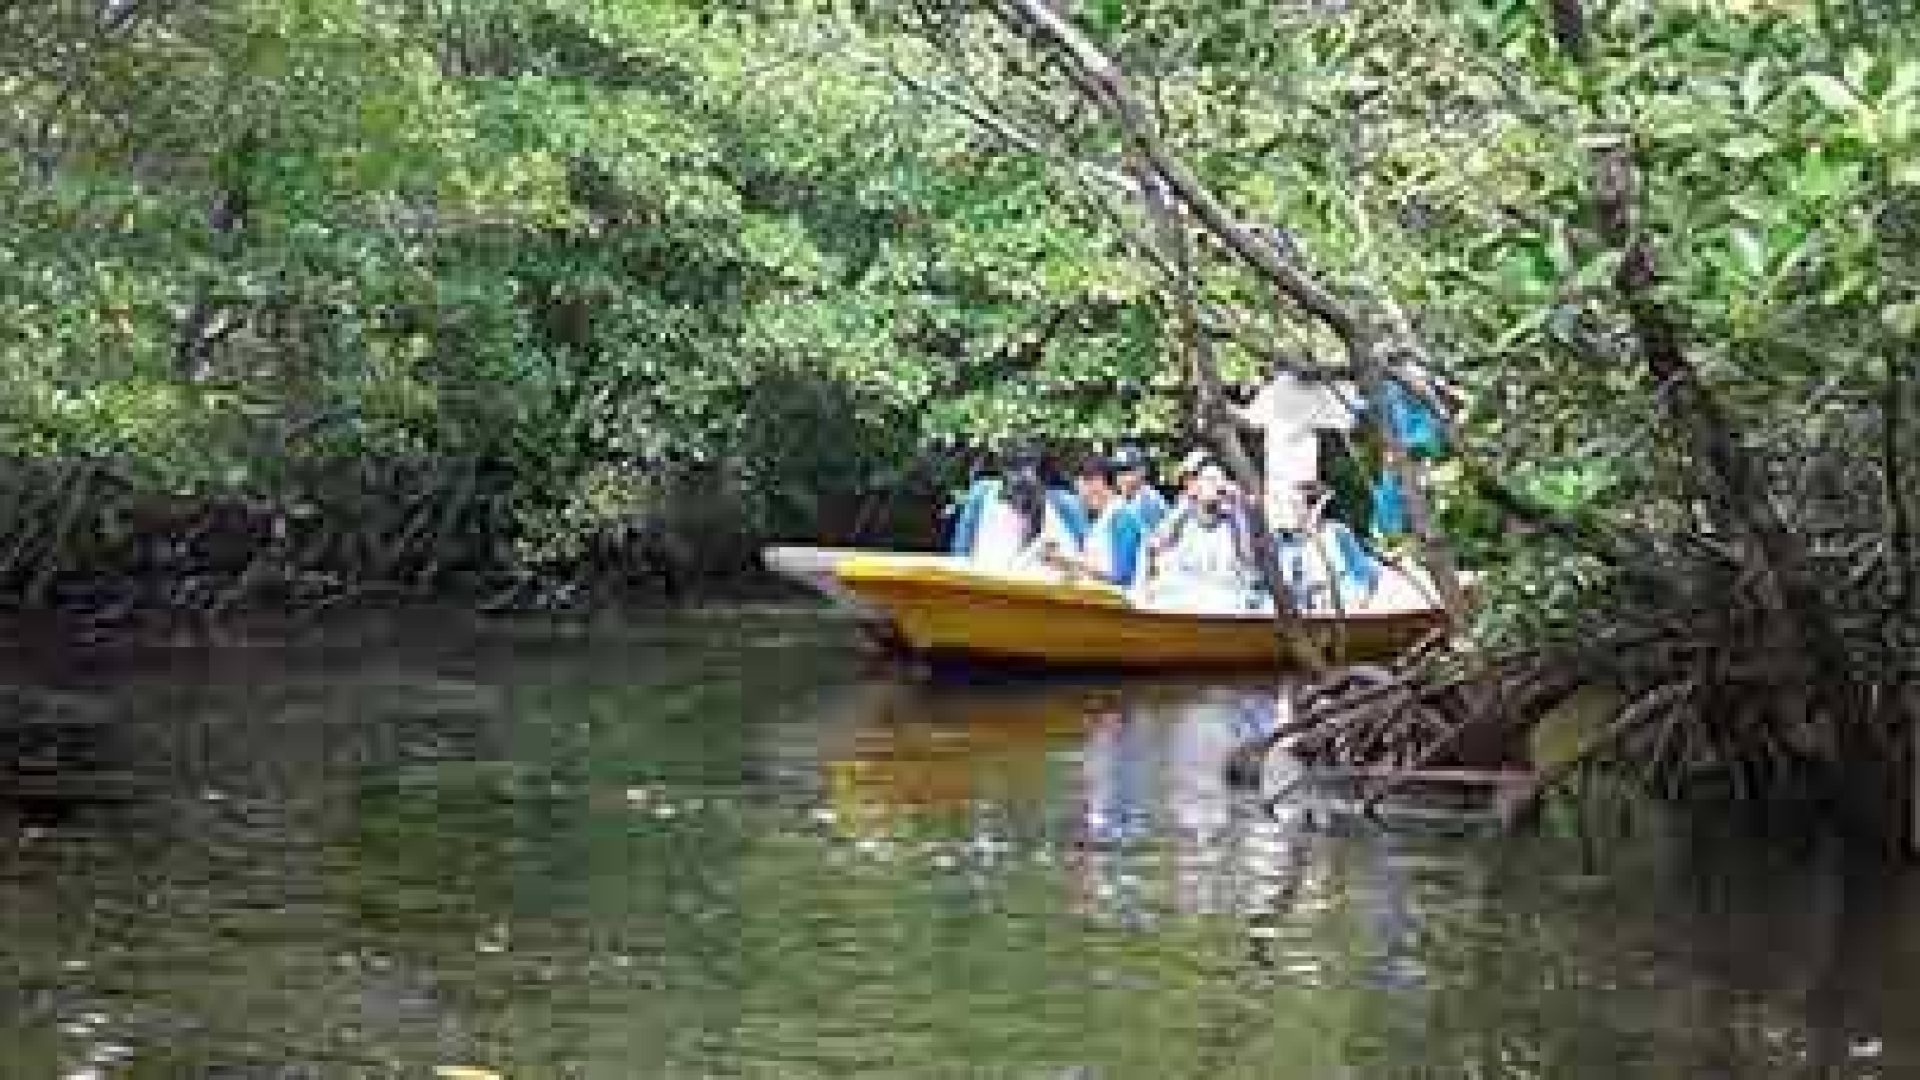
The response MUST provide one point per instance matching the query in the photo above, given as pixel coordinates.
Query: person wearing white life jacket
(1021, 529)
(1202, 557)
(1324, 555)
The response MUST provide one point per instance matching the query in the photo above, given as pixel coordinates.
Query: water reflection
(680, 858)
(1130, 785)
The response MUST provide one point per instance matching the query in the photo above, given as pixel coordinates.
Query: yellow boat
(945, 609)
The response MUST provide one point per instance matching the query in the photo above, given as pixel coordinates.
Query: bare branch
(1101, 79)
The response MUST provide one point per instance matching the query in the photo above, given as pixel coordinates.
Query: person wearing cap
(1130, 468)
(1190, 467)
(1115, 538)
(1162, 534)
(1188, 474)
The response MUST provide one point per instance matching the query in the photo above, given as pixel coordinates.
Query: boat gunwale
(954, 578)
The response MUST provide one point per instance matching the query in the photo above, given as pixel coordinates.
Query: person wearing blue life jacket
(1115, 538)
(989, 492)
(1326, 555)
(1131, 476)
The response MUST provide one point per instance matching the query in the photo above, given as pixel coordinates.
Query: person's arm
(1084, 562)
(1163, 537)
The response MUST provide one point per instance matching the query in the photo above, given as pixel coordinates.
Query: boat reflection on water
(908, 757)
(1159, 827)
(1123, 789)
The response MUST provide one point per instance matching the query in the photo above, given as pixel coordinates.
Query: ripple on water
(655, 861)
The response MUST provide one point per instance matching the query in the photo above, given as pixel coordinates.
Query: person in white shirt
(1020, 530)
(1324, 559)
(1202, 559)
(1292, 411)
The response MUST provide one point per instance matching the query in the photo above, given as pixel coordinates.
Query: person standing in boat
(1291, 411)
(1323, 555)
(1202, 558)
(987, 499)
(1116, 537)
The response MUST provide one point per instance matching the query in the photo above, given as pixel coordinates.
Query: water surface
(720, 848)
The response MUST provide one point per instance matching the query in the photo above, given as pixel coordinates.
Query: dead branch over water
(1686, 675)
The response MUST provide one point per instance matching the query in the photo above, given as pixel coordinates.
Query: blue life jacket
(1422, 433)
(1359, 573)
(1150, 506)
(1362, 569)
(1389, 508)
(1126, 538)
(966, 526)
(1072, 514)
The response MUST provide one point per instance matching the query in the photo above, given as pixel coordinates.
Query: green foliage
(252, 244)
(603, 255)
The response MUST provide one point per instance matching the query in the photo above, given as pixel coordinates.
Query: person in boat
(1190, 467)
(989, 493)
(1323, 555)
(1291, 411)
(1202, 556)
(1161, 535)
(1189, 478)
(1116, 537)
(1130, 476)
(1022, 528)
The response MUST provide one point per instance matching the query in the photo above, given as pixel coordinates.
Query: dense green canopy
(416, 288)
(543, 267)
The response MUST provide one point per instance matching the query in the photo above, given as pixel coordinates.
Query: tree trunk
(1101, 81)
(1739, 495)
(1216, 421)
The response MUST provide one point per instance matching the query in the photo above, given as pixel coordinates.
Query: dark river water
(719, 848)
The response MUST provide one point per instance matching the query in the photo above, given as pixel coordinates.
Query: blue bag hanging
(1419, 429)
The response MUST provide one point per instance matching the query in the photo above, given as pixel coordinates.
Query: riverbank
(371, 620)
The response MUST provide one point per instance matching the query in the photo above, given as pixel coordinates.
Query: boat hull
(812, 568)
(948, 611)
